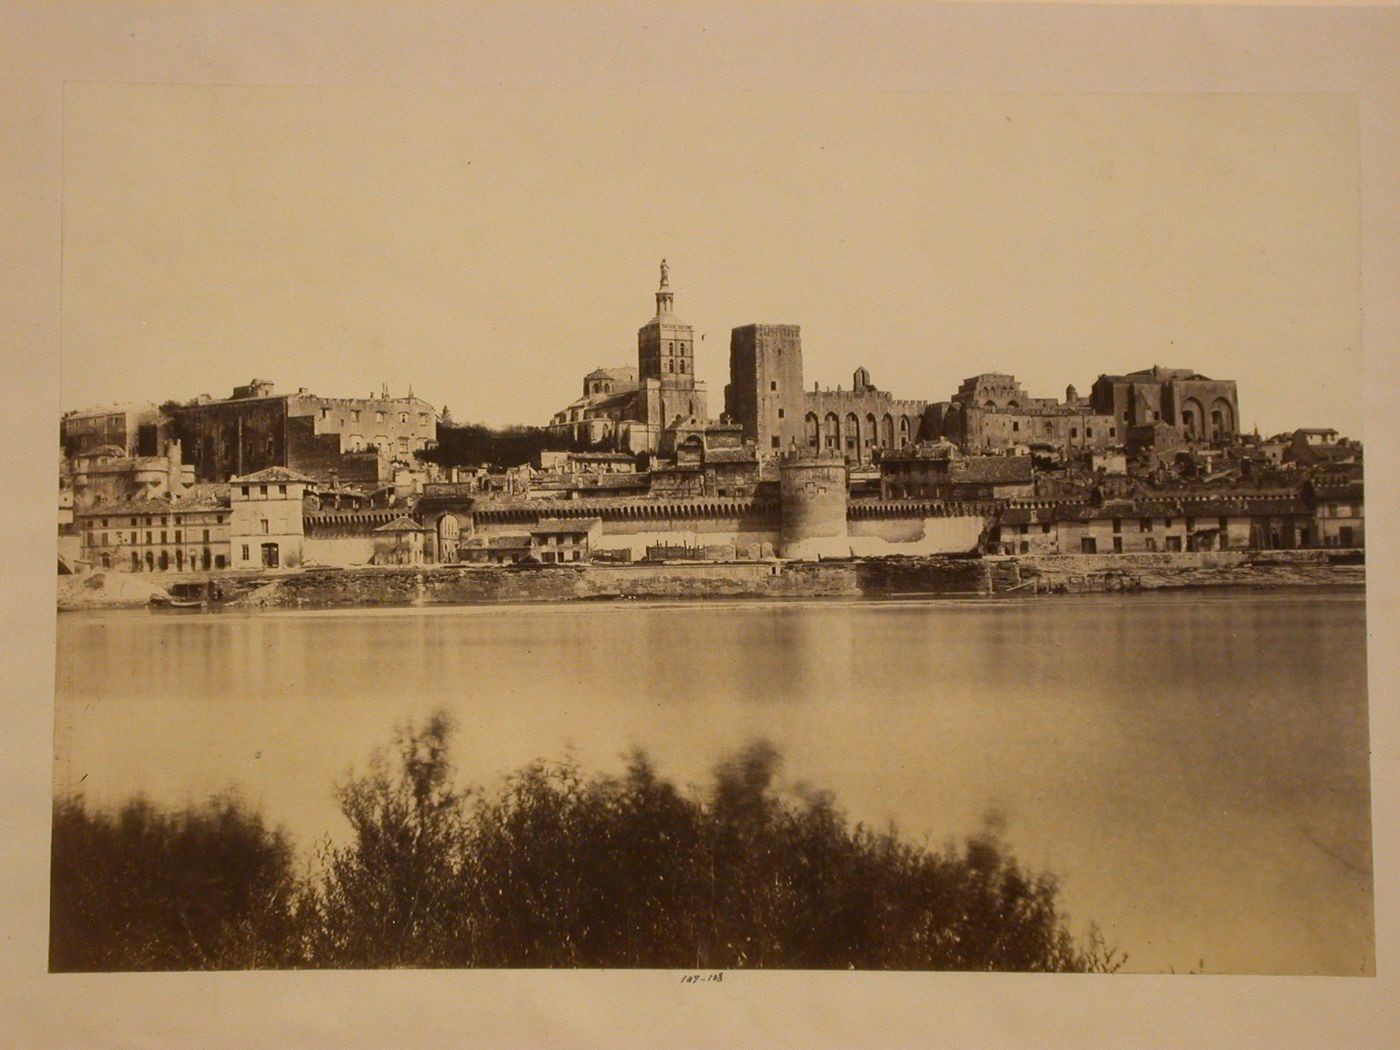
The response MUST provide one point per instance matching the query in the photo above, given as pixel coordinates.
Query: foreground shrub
(206, 887)
(556, 869)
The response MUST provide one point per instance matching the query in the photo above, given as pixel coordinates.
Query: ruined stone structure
(992, 412)
(1204, 409)
(860, 422)
(357, 438)
(106, 474)
(766, 396)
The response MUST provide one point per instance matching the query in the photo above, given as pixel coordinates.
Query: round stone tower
(813, 499)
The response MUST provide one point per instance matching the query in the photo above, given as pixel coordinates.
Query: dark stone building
(1204, 409)
(354, 438)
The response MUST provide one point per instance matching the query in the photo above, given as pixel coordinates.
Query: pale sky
(491, 246)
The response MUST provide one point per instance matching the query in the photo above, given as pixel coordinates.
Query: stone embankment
(855, 578)
(1052, 573)
(448, 585)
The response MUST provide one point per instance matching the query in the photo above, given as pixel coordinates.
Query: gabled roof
(1027, 515)
(278, 474)
(155, 506)
(403, 523)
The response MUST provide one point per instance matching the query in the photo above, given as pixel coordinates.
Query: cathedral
(631, 409)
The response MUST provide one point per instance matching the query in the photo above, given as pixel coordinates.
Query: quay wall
(847, 578)
(446, 585)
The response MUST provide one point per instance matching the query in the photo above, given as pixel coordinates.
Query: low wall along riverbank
(854, 578)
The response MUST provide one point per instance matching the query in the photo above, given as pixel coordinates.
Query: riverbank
(930, 577)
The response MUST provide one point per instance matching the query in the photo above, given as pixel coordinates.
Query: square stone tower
(765, 393)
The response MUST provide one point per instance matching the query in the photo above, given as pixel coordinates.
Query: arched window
(164, 561)
(812, 430)
(832, 431)
(903, 430)
(887, 431)
(1223, 416)
(150, 562)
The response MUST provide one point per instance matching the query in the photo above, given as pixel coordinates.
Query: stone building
(158, 535)
(938, 470)
(575, 463)
(565, 541)
(267, 529)
(107, 474)
(632, 410)
(399, 542)
(1339, 510)
(766, 396)
(992, 412)
(1204, 409)
(705, 459)
(609, 397)
(134, 428)
(255, 428)
(1204, 522)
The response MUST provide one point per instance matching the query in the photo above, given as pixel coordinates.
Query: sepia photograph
(710, 526)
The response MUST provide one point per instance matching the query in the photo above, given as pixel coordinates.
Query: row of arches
(1219, 423)
(856, 437)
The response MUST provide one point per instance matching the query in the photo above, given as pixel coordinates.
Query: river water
(1193, 766)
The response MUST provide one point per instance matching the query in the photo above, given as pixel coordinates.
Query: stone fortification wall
(873, 537)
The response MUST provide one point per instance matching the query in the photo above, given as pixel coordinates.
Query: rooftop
(991, 470)
(275, 474)
(565, 525)
(156, 506)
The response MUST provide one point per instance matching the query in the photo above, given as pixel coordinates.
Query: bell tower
(666, 363)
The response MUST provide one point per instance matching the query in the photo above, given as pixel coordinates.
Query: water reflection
(1194, 768)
